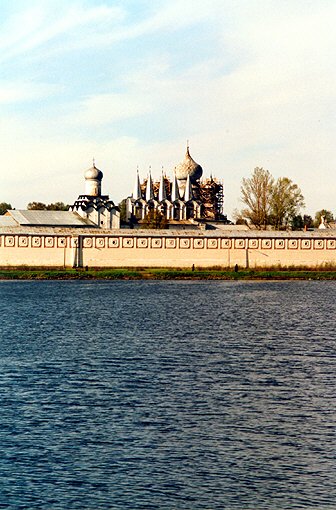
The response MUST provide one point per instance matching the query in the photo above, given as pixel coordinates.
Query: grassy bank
(168, 274)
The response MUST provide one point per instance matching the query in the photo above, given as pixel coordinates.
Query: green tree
(4, 207)
(308, 221)
(285, 201)
(40, 206)
(256, 194)
(299, 222)
(58, 206)
(328, 216)
(270, 202)
(238, 218)
(36, 206)
(122, 207)
(154, 220)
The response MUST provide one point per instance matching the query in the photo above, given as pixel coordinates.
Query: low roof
(197, 233)
(7, 221)
(48, 218)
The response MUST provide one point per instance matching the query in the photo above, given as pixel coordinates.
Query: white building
(93, 205)
(183, 199)
(92, 210)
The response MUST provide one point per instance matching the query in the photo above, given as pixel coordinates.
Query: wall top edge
(232, 234)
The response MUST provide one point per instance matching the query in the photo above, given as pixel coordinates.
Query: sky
(248, 82)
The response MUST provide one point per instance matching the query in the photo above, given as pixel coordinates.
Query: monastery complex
(197, 233)
(179, 200)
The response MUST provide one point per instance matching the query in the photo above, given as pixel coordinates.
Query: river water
(167, 395)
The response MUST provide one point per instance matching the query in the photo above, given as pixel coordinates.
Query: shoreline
(167, 274)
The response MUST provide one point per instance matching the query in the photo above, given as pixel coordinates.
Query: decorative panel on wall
(87, 242)
(226, 243)
(36, 242)
(279, 244)
(170, 243)
(49, 242)
(184, 243)
(331, 244)
(240, 243)
(23, 241)
(266, 244)
(128, 242)
(100, 242)
(61, 242)
(142, 242)
(198, 243)
(318, 244)
(113, 242)
(156, 242)
(212, 243)
(9, 241)
(253, 243)
(305, 244)
(293, 244)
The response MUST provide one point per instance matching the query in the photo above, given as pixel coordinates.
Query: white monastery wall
(71, 247)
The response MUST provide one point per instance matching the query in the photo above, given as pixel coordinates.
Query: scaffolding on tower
(212, 198)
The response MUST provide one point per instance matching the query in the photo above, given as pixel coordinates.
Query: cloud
(21, 92)
(47, 22)
(58, 27)
(253, 87)
(108, 108)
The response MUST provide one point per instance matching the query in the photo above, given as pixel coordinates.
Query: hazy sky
(248, 82)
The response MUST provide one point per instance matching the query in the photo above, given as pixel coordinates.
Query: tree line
(36, 206)
(274, 202)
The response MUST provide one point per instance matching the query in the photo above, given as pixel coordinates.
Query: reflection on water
(167, 395)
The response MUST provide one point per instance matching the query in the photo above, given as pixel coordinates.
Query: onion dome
(93, 173)
(188, 167)
(93, 178)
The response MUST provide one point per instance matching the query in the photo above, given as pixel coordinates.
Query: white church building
(92, 209)
(93, 205)
(183, 199)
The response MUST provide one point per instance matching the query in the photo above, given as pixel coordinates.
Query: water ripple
(167, 395)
